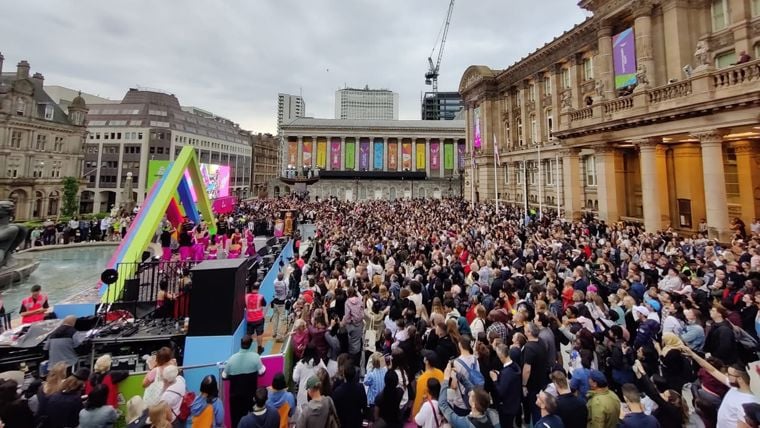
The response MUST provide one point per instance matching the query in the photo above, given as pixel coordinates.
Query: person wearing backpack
(466, 365)
(174, 393)
(263, 415)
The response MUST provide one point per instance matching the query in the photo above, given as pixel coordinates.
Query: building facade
(441, 105)
(363, 159)
(148, 125)
(64, 96)
(289, 107)
(366, 104)
(265, 169)
(638, 113)
(40, 144)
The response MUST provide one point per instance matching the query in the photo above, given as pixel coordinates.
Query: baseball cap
(598, 377)
(313, 383)
(641, 310)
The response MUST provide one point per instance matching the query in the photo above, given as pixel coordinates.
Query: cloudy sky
(232, 57)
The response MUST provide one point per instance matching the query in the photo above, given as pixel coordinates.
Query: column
(427, 157)
(716, 201)
(677, 29)
(642, 28)
(343, 153)
(299, 166)
(609, 196)
(603, 61)
(385, 153)
(399, 166)
(328, 153)
(571, 175)
(356, 154)
(749, 180)
(441, 169)
(414, 154)
(371, 166)
(651, 163)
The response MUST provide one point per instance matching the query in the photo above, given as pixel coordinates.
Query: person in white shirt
(429, 415)
(174, 389)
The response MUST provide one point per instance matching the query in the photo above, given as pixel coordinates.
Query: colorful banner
(321, 153)
(224, 205)
(435, 155)
(406, 156)
(461, 148)
(378, 158)
(307, 151)
(292, 153)
(335, 153)
(350, 153)
(392, 154)
(476, 128)
(364, 154)
(156, 169)
(624, 58)
(448, 156)
(420, 156)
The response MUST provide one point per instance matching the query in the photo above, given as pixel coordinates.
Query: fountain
(12, 268)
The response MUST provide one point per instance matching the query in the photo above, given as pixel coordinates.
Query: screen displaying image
(216, 180)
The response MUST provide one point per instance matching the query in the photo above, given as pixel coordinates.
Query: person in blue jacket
(209, 397)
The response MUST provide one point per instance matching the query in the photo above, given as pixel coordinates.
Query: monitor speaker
(217, 297)
(131, 290)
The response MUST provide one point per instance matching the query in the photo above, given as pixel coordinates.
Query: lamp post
(461, 182)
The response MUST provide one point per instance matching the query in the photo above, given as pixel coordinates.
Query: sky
(233, 57)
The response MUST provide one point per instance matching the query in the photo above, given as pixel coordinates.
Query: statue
(599, 89)
(642, 81)
(702, 54)
(11, 235)
(566, 100)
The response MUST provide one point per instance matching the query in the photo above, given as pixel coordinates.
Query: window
(533, 129)
(590, 169)
(532, 173)
(520, 132)
(565, 78)
(16, 139)
(58, 146)
(48, 112)
(41, 141)
(719, 14)
(139, 135)
(520, 172)
(588, 69)
(547, 86)
(725, 59)
(532, 92)
(506, 173)
(549, 125)
(549, 169)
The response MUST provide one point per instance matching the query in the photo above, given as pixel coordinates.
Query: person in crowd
(262, 415)
(159, 416)
(547, 403)
(570, 408)
(480, 414)
(14, 411)
(305, 369)
(388, 402)
(282, 400)
(63, 407)
(279, 316)
(153, 380)
(603, 405)
(507, 387)
(720, 341)
(174, 390)
(97, 413)
(242, 369)
(633, 415)
(318, 410)
(62, 343)
(535, 371)
(50, 386)
(255, 308)
(350, 398)
(103, 375)
(430, 415)
(207, 410)
(430, 371)
(35, 306)
(137, 413)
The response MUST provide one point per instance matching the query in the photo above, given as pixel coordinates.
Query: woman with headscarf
(676, 368)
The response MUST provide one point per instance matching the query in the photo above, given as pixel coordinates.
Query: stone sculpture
(11, 235)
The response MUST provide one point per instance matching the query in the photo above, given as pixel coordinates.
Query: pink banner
(435, 154)
(224, 205)
(335, 153)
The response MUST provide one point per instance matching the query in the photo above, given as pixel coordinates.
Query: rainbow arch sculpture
(161, 200)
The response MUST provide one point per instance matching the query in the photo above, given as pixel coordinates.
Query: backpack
(473, 374)
(184, 407)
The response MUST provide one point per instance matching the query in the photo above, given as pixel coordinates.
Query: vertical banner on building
(350, 153)
(420, 155)
(335, 153)
(307, 151)
(364, 154)
(406, 156)
(476, 140)
(435, 155)
(321, 153)
(448, 156)
(293, 153)
(378, 157)
(624, 58)
(461, 148)
(392, 154)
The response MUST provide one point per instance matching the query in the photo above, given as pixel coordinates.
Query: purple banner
(624, 58)
(335, 153)
(461, 147)
(364, 154)
(435, 154)
(476, 140)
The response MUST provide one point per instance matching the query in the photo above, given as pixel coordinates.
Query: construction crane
(431, 77)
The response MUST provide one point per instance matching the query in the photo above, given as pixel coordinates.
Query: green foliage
(70, 190)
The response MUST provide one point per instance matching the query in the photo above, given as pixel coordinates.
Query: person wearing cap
(281, 399)
(318, 410)
(647, 327)
(263, 415)
(430, 360)
(603, 405)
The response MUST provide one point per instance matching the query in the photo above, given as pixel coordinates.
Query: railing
(619, 104)
(747, 72)
(581, 114)
(670, 92)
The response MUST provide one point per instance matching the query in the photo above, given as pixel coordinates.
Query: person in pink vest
(34, 307)
(255, 309)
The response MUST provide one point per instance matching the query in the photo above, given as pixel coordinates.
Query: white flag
(496, 151)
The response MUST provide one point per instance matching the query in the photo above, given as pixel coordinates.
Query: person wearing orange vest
(34, 307)
(255, 309)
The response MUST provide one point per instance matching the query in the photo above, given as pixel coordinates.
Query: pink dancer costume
(233, 254)
(250, 247)
(212, 254)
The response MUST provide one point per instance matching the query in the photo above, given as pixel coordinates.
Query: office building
(646, 112)
(366, 104)
(289, 107)
(265, 170)
(149, 125)
(375, 159)
(441, 105)
(40, 143)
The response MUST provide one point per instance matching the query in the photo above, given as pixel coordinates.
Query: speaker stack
(217, 297)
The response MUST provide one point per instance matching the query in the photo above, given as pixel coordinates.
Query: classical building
(637, 113)
(149, 125)
(366, 104)
(374, 159)
(441, 105)
(289, 107)
(265, 168)
(40, 143)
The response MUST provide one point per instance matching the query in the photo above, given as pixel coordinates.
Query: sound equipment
(217, 297)
(131, 290)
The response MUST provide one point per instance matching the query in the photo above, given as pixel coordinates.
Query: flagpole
(472, 178)
(556, 179)
(496, 171)
(525, 192)
(540, 186)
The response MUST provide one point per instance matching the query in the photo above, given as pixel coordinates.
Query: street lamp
(461, 182)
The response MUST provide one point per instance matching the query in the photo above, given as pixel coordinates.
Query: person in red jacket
(103, 375)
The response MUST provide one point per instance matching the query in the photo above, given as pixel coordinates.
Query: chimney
(2, 58)
(39, 78)
(22, 70)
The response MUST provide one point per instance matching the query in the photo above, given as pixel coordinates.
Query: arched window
(53, 203)
(38, 201)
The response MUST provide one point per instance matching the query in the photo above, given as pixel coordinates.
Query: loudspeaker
(217, 297)
(131, 290)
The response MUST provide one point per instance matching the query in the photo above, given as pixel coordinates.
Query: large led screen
(216, 178)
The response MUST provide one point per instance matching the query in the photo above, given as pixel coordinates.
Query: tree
(70, 190)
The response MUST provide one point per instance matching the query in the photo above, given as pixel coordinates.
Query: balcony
(696, 95)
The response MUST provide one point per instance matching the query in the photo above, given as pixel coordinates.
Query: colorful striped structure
(160, 201)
